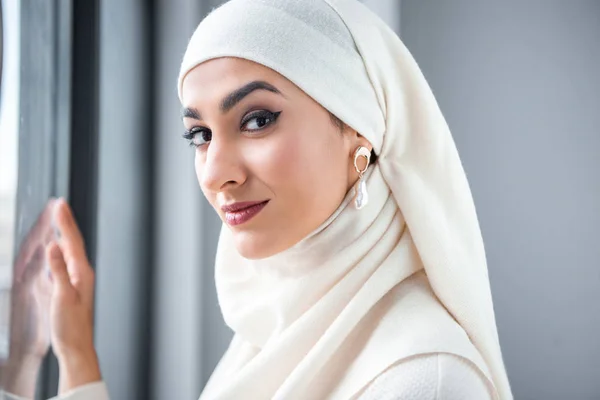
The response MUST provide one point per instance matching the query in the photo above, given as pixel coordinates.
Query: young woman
(350, 264)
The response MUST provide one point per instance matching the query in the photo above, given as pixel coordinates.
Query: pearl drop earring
(360, 189)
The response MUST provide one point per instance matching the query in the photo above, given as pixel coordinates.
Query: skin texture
(302, 163)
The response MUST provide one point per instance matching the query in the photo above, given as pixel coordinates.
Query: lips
(239, 213)
(235, 207)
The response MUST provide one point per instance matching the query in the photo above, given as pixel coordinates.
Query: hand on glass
(72, 304)
(52, 304)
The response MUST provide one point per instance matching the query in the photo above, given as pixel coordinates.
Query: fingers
(69, 236)
(58, 268)
(38, 235)
(72, 246)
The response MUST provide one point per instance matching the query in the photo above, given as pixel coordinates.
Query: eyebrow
(233, 98)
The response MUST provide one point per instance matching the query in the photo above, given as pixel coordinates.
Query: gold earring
(361, 196)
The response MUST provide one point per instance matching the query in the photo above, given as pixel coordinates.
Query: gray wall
(519, 83)
(388, 10)
(124, 239)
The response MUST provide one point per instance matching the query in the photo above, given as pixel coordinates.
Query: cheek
(284, 163)
(304, 169)
(199, 167)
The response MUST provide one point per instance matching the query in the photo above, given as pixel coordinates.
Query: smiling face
(268, 157)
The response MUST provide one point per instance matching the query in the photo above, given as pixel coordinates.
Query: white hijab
(404, 276)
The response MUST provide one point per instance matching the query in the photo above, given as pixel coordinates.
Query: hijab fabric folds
(404, 276)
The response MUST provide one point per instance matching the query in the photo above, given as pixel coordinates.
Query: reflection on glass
(29, 332)
(9, 123)
(29, 329)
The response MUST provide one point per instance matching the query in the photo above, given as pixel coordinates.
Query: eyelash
(191, 134)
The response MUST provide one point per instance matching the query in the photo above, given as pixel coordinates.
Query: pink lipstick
(238, 213)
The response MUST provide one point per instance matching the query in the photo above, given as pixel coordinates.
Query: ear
(356, 140)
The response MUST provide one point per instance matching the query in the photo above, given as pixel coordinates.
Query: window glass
(9, 131)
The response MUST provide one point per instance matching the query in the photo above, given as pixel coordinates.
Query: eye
(259, 120)
(198, 136)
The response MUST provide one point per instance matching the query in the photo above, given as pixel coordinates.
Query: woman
(351, 263)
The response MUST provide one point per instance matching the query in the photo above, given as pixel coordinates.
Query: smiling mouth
(240, 213)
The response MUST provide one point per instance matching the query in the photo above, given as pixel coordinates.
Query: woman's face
(268, 157)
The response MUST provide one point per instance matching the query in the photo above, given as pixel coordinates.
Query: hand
(31, 292)
(72, 304)
(30, 309)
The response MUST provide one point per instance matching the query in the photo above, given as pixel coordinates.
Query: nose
(221, 166)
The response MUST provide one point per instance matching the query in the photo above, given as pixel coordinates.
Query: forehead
(216, 78)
